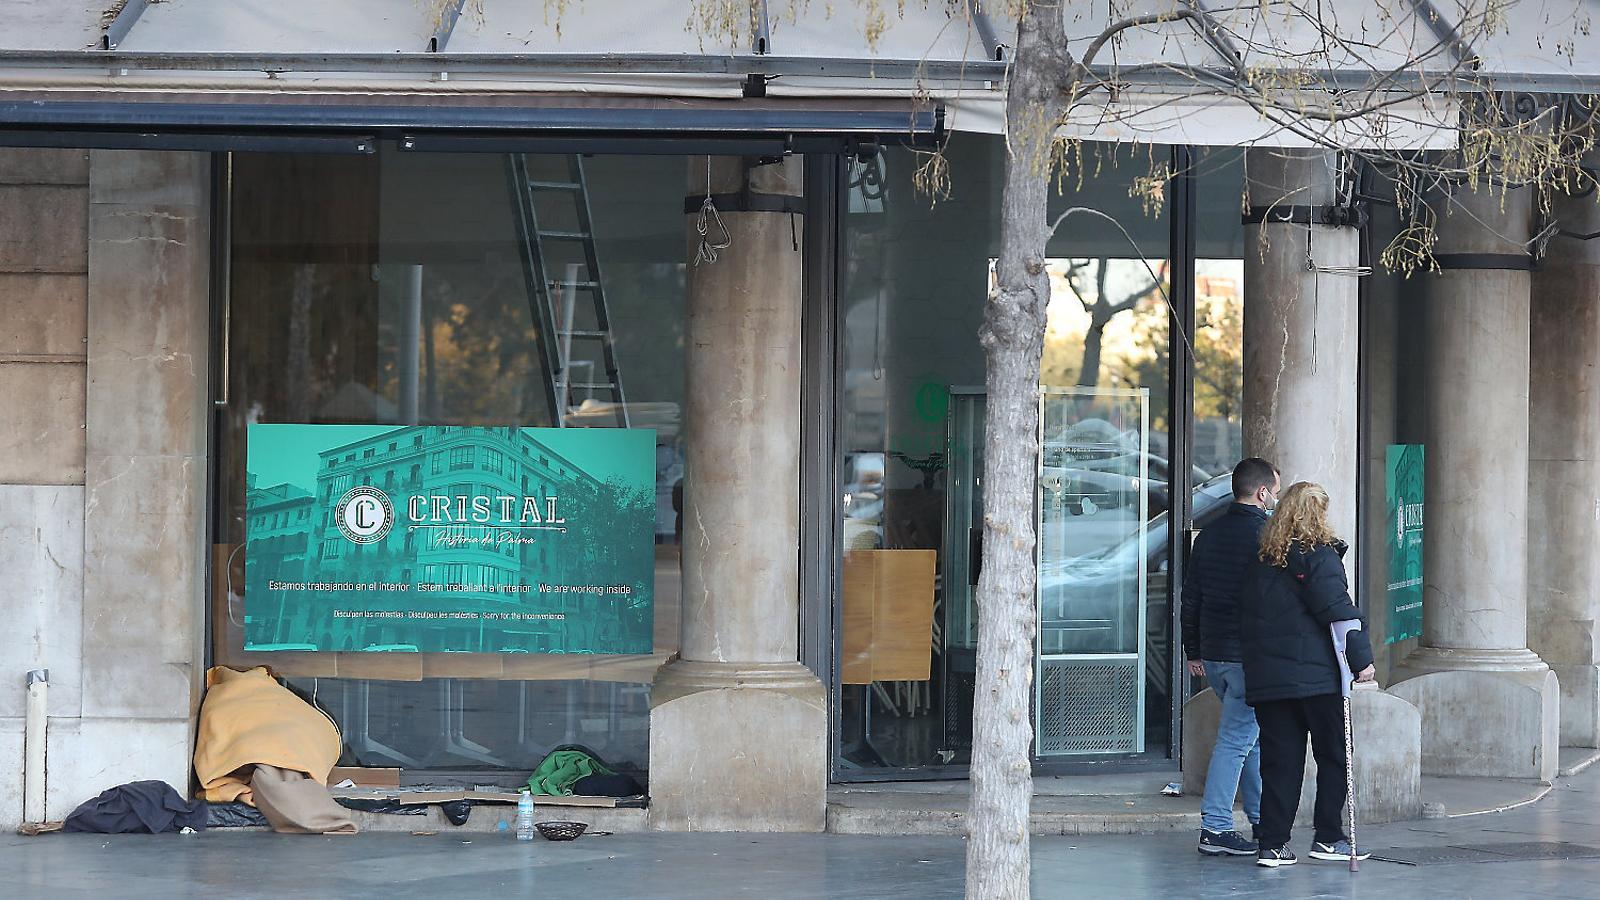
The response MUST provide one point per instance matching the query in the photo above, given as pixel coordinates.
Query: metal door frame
(1142, 394)
(822, 557)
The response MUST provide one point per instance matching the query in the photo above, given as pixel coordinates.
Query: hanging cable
(708, 217)
(1345, 189)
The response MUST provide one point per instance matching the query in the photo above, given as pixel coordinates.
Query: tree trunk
(1089, 372)
(1013, 339)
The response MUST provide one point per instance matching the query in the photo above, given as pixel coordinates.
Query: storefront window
(1219, 310)
(392, 292)
(910, 422)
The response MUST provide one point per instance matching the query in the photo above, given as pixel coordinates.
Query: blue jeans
(1236, 759)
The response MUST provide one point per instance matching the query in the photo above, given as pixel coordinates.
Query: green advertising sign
(433, 538)
(1403, 479)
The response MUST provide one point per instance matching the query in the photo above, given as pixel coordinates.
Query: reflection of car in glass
(390, 648)
(1113, 481)
(1107, 472)
(1088, 604)
(1084, 492)
(273, 648)
(863, 502)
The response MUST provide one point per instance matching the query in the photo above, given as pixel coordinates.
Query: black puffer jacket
(1223, 553)
(1284, 614)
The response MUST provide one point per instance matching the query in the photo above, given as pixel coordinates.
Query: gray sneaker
(1338, 851)
(1229, 843)
(1280, 856)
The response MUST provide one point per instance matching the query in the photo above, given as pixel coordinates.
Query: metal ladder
(556, 324)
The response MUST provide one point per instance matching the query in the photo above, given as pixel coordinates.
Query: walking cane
(1350, 779)
(1341, 632)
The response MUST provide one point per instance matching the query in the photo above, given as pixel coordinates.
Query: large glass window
(392, 289)
(1219, 232)
(910, 426)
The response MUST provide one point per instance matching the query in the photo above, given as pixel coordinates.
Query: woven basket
(560, 831)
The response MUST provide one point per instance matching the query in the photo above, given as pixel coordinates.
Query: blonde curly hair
(1300, 519)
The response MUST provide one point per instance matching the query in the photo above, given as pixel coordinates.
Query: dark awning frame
(467, 123)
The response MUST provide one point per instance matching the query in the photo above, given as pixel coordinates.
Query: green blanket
(561, 770)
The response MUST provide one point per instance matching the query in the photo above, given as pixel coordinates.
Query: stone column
(1564, 470)
(1301, 328)
(144, 523)
(1489, 704)
(44, 258)
(738, 727)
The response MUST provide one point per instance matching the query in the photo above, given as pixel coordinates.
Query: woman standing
(1292, 674)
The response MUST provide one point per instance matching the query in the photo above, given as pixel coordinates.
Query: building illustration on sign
(450, 538)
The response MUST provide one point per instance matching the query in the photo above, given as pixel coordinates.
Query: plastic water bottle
(525, 830)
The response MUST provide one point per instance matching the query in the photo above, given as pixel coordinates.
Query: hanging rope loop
(714, 235)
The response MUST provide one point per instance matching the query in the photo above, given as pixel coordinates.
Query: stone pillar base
(1388, 741)
(1388, 760)
(1488, 713)
(1580, 705)
(738, 747)
(1201, 715)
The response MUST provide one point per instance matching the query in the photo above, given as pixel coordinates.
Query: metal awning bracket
(763, 24)
(449, 14)
(117, 30)
(992, 48)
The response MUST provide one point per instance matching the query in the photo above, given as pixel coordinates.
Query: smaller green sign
(1404, 468)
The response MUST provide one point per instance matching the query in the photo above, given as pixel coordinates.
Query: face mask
(1269, 503)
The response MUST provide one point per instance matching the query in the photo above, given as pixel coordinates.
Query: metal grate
(1088, 706)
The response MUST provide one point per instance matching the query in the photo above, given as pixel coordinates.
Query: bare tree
(1101, 309)
(1292, 90)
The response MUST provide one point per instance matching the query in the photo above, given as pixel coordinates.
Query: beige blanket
(249, 719)
(295, 804)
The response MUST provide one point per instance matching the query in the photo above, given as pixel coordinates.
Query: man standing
(1223, 553)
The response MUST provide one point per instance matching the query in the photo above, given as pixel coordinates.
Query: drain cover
(1540, 850)
(1435, 856)
(1482, 853)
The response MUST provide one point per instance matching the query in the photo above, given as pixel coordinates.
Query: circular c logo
(364, 515)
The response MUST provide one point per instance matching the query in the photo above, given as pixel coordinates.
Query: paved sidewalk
(218, 864)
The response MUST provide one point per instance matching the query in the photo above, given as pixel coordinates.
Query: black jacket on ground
(1284, 614)
(138, 807)
(1223, 554)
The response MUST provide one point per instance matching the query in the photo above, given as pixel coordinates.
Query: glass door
(957, 615)
(1094, 497)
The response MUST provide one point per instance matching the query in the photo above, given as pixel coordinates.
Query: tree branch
(1116, 28)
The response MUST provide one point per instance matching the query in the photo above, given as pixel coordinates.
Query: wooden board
(462, 665)
(855, 644)
(888, 615)
(511, 797)
(365, 777)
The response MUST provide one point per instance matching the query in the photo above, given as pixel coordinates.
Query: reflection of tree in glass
(1102, 308)
(1218, 350)
(1218, 343)
(479, 361)
(610, 523)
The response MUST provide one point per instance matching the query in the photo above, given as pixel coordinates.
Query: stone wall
(103, 325)
(44, 261)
